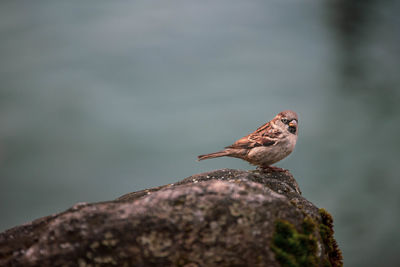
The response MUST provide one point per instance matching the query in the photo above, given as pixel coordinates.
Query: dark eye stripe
(286, 121)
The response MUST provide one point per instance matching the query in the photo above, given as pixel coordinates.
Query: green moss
(308, 226)
(292, 248)
(331, 247)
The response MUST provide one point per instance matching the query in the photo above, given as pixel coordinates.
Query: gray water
(98, 100)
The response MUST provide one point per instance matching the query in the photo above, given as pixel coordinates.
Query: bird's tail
(213, 155)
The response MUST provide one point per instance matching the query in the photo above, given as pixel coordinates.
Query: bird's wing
(263, 136)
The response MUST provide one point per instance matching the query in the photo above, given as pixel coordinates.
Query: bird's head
(288, 120)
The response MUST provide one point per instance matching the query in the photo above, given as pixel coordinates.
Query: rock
(220, 218)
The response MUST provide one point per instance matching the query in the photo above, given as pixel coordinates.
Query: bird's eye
(285, 121)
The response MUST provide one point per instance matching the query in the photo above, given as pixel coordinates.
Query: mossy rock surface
(221, 218)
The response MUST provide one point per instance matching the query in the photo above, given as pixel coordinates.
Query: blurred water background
(101, 99)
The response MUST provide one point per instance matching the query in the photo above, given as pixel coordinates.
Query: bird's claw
(270, 169)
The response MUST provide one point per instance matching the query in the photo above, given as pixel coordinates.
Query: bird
(270, 143)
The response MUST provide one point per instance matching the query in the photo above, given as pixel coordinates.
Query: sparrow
(270, 143)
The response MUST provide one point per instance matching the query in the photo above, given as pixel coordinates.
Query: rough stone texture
(220, 218)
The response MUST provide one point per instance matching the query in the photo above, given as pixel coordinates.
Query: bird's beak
(293, 123)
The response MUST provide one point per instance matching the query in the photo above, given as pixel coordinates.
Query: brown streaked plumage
(267, 145)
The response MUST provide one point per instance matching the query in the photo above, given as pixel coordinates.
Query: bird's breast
(267, 155)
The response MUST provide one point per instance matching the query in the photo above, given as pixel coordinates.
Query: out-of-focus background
(98, 100)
